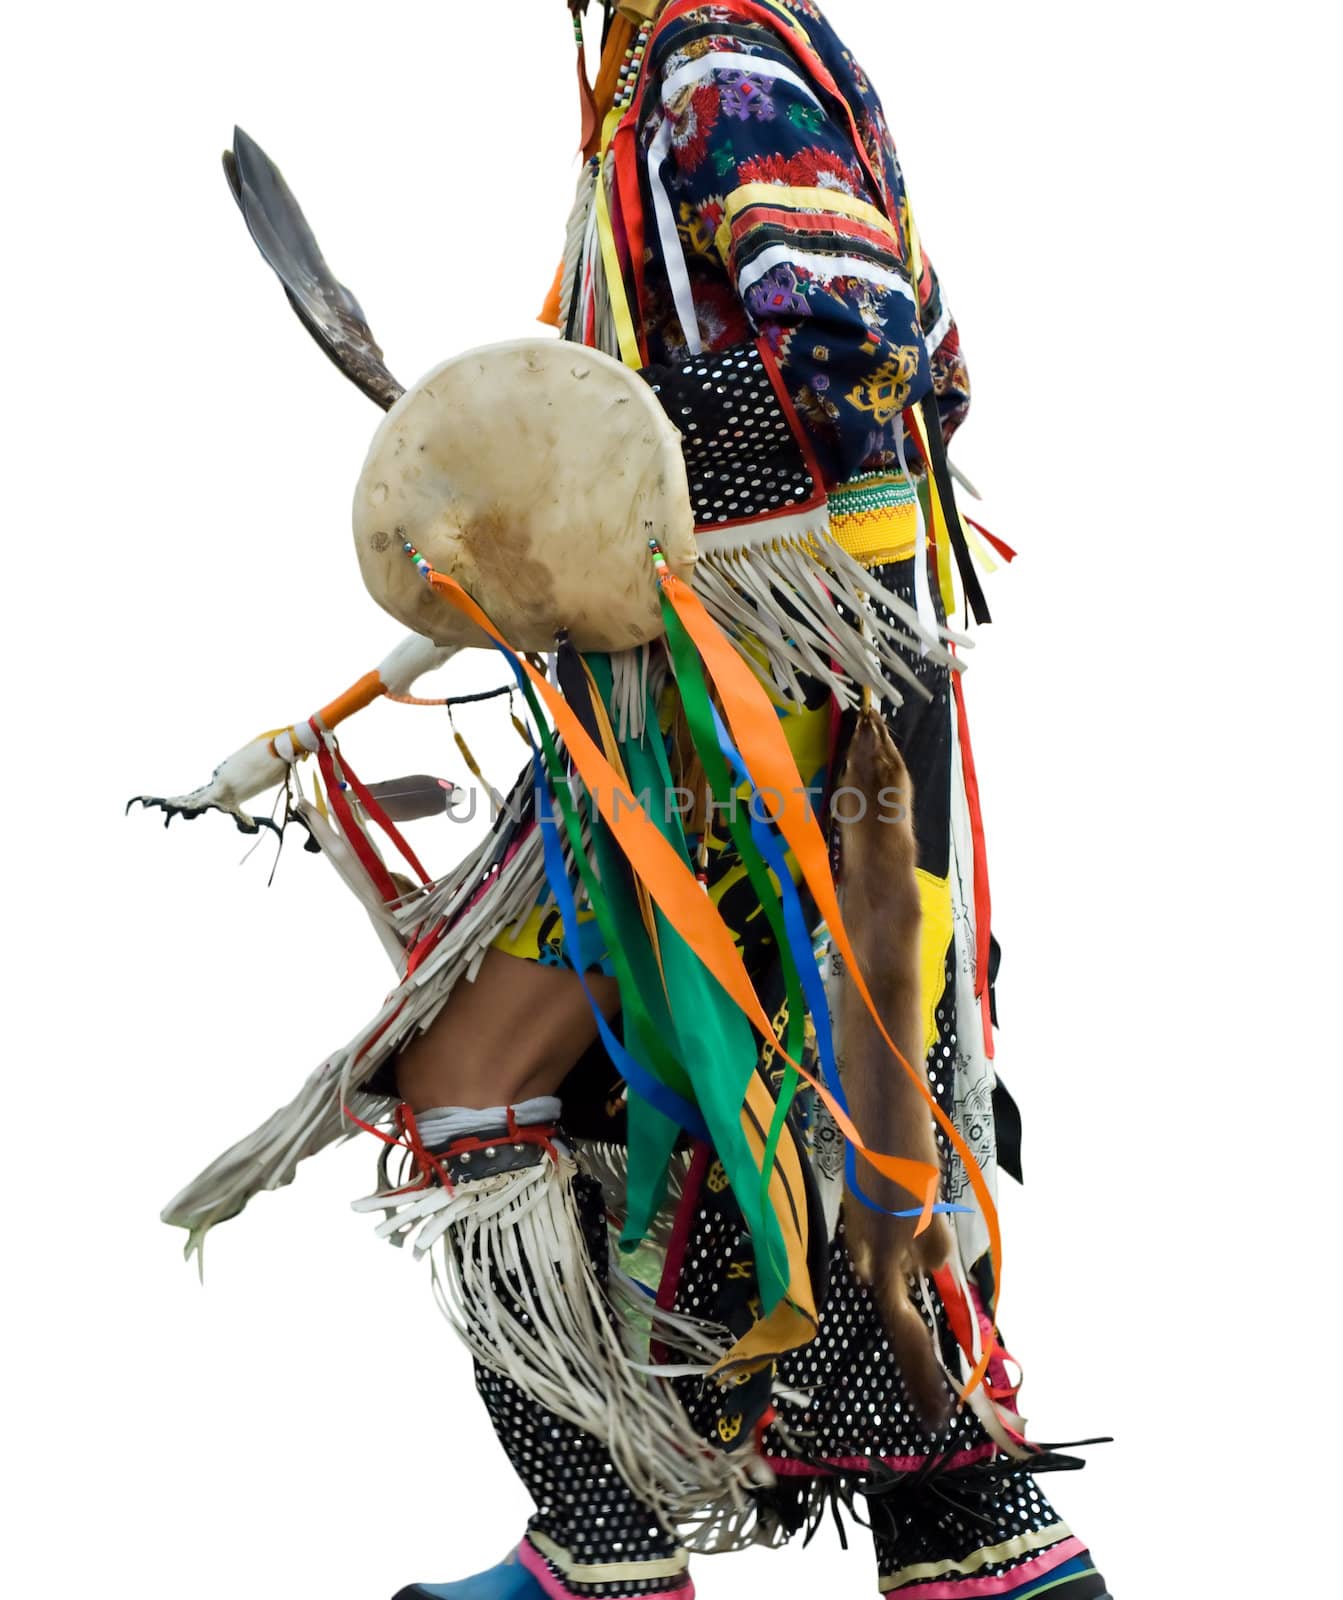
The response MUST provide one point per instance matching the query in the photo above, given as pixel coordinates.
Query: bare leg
(513, 1033)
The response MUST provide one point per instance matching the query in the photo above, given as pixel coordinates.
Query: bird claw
(189, 807)
(185, 806)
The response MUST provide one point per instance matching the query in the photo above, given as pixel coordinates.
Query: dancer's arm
(771, 188)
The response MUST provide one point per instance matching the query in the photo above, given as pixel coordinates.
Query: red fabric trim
(788, 1467)
(1004, 550)
(363, 1051)
(421, 948)
(916, 441)
(986, 1021)
(999, 1381)
(679, 1242)
(799, 432)
(808, 222)
(804, 444)
(425, 1162)
(629, 194)
(368, 856)
(983, 899)
(538, 1134)
(378, 815)
(958, 1313)
(760, 521)
(355, 836)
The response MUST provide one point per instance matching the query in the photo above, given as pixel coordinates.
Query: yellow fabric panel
(540, 929)
(935, 938)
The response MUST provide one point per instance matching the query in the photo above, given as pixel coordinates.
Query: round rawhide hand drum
(533, 473)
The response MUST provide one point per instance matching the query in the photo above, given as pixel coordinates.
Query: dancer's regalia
(705, 1300)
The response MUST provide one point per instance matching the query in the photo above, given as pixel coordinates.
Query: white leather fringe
(269, 1157)
(514, 1277)
(788, 592)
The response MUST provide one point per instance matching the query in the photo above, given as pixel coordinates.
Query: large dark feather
(326, 308)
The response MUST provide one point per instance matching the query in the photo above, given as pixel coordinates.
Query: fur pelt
(879, 896)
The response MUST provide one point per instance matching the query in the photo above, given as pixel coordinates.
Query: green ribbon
(699, 715)
(715, 1043)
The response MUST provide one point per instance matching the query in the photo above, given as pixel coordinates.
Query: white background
(1129, 208)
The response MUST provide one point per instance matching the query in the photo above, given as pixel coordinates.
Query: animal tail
(884, 915)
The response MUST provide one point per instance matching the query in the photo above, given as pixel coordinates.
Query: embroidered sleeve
(767, 184)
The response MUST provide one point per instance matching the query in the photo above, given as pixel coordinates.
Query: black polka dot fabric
(917, 1519)
(742, 457)
(583, 1507)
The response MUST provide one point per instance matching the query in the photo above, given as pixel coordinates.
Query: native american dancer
(718, 1223)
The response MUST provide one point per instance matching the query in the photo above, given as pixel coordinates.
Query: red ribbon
(354, 831)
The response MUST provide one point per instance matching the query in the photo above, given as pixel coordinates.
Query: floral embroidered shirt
(775, 206)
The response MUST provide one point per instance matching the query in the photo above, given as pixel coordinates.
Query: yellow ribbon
(946, 583)
(798, 199)
(630, 353)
